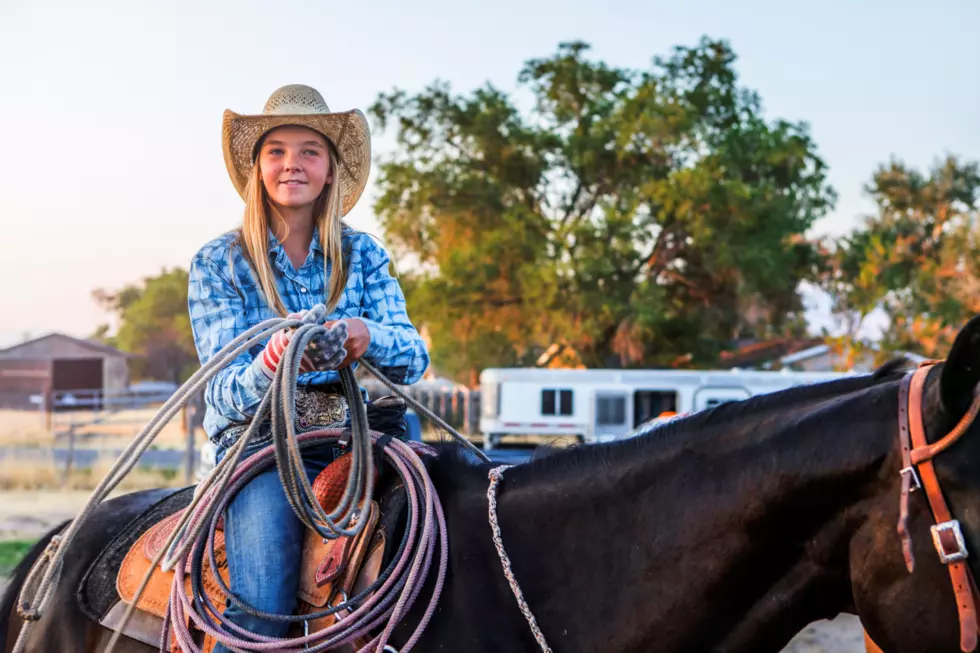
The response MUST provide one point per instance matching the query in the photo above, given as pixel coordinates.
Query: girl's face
(295, 166)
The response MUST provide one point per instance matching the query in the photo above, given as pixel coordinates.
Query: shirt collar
(277, 252)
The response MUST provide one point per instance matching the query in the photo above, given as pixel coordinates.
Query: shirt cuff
(254, 381)
(381, 339)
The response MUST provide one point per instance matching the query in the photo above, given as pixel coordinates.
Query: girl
(300, 169)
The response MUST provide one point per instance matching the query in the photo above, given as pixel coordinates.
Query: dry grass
(24, 428)
(33, 476)
(29, 428)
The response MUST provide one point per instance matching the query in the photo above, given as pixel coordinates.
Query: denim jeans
(264, 542)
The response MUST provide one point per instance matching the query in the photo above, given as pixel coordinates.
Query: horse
(726, 531)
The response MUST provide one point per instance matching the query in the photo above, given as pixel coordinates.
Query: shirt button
(302, 289)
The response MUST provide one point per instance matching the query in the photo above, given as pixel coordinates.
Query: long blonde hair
(254, 238)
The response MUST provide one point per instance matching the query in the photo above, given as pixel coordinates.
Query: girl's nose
(291, 162)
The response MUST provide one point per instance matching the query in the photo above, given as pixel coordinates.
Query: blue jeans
(264, 543)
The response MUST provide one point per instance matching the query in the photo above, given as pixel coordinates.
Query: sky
(111, 165)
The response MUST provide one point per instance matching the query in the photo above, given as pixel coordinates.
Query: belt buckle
(949, 527)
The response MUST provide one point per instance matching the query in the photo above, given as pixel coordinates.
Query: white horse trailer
(604, 405)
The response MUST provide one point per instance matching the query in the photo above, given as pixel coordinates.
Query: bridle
(918, 473)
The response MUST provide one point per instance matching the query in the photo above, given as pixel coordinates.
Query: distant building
(822, 358)
(57, 364)
(763, 354)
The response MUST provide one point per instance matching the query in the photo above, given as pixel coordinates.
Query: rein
(918, 472)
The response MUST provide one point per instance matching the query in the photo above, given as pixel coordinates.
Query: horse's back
(63, 621)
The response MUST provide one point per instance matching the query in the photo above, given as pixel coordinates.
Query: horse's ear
(961, 372)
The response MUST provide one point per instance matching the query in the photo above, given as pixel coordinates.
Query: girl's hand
(358, 339)
(325, 352)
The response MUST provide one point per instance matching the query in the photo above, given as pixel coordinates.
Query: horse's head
(917, 610)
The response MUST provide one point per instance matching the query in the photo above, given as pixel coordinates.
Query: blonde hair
(254, 240)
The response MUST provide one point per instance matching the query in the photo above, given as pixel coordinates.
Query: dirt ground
(27, 515)
(842, 635)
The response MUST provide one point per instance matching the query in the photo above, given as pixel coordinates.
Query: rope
(419, 407)
(404, 576)
(496, 475)
(192, 532)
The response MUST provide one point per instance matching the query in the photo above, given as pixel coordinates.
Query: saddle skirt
(330, 569)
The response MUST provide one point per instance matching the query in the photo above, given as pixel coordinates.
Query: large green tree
(634, 216)
(917, 258)
(154, 323)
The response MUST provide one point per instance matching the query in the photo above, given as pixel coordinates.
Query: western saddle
(330, 571)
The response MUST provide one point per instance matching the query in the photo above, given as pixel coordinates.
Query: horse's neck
(732, 542)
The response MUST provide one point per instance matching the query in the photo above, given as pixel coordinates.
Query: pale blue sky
(112, 168)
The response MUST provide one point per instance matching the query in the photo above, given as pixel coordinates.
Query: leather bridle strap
(947, 535)
(908, 473)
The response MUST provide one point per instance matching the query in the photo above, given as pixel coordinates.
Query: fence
(81, 427)
(458, 406)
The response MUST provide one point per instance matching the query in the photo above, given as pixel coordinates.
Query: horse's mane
(684, 431)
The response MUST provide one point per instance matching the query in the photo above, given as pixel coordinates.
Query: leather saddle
(330, 570)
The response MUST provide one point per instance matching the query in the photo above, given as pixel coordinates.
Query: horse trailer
(596, 405)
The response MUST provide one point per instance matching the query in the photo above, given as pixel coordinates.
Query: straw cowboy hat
(301, 105)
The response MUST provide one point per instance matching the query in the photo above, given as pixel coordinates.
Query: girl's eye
(312, 153)
(274, 151)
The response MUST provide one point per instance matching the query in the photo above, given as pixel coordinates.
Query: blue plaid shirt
(225, 299)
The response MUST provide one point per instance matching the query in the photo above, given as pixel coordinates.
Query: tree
(154, 323)
(633, 216)
(916, 258)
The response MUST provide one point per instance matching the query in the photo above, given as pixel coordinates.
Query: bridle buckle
(916, 483)
(949, 541)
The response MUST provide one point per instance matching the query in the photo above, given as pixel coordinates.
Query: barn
(56, 364)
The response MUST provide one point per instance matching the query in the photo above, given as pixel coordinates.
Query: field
(34, 458)
(28, 429)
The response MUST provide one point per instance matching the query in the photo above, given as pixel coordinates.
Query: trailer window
(556, 402)
(648, 404)
(565, 403)
(611, 411)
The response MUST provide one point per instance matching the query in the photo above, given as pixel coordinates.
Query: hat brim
(348, 131)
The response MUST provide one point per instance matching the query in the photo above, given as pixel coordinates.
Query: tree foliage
(153, 323)
(915, 259)
(635, 216)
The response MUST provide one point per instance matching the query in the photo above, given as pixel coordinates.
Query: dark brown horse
(729, 531)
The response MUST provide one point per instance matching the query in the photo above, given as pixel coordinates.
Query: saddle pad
(96, 593)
